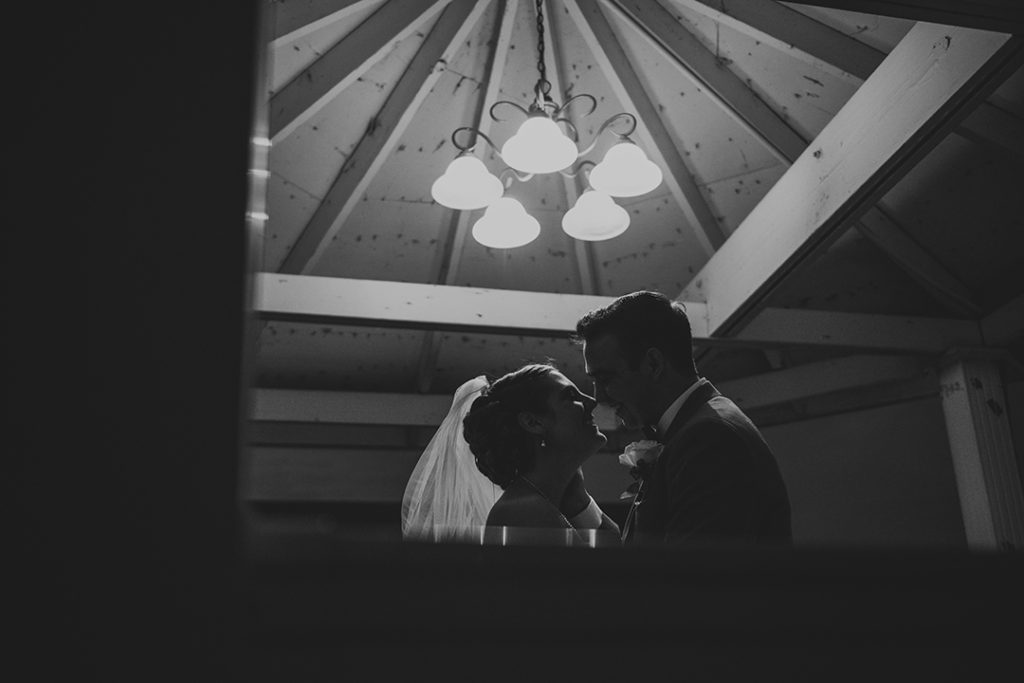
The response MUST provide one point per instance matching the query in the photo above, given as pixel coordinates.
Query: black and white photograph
(517, 340)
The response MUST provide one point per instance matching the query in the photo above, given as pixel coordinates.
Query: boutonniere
(639, 457)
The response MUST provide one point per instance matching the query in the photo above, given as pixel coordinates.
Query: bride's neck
(552, 479)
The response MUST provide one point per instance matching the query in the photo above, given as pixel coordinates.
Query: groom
(716, 480)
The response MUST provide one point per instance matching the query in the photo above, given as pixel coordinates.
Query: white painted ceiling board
(304, 164)
(316, 356)
(881, 33)
(803, 95)
(290, 57)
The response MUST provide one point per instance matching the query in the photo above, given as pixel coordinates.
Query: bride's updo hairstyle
(501, 447)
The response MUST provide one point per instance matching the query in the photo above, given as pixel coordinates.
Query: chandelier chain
(540, 47)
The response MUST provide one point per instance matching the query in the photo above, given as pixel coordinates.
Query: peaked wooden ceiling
(842, 189)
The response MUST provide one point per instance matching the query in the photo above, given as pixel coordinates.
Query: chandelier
(546, 142)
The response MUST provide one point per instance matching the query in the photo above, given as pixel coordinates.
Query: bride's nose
(589, 402)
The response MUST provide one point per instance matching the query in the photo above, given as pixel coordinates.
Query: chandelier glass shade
(505, 224)
(546, 142)
(625, 171)
(539, 146)
(595, 217)
(466, 185)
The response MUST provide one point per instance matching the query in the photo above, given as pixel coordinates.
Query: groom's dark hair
(640, 321)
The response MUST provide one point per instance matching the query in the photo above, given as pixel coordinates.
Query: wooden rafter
(298, 18)
(612, 60)
(995, 128)
(665, 33)
(795, 33)
(451, 252)
(930, 81)
(784, 327)
(877, 226)
(346, 61)
(370, 153)
(1004, 16)
(843, 56)
(1005, 325)
(424, 410)
(377, 303)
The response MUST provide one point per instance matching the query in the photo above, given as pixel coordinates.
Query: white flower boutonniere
(639, 457)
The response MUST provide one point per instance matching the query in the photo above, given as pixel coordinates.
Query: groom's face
(625, 389)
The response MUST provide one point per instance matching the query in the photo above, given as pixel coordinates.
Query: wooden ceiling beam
(929, 82)
(378, 303)
(663, 31)
(795, 33)
(880, 228)
(1005, 325)
(426, 67)
(346, 61)
(1003, 16)
(611, 58)
(996, 129)
(424, 410)
(297, 18)
(451, 251)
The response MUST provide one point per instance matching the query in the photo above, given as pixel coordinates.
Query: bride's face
(570, 417)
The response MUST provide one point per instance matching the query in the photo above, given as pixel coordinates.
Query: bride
(509, 454)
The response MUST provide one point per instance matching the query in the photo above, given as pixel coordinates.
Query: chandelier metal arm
(471, 146)
(565, 105)
(608, 124)
(508, 173)
(577, 169)
(494, 117)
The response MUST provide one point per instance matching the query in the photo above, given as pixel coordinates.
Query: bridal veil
(447, 498)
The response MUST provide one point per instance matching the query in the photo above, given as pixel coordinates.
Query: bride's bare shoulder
(519, 508)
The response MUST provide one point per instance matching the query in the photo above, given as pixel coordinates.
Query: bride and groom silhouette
(509, 454)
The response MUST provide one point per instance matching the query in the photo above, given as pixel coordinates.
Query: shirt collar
(670, 413)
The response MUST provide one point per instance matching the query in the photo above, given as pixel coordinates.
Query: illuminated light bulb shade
(505, 224)
(625, 171)
(595, 217)
(466, 184)
(539, 147)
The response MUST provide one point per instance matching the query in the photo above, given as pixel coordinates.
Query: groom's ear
(531, 423)
(654, 361)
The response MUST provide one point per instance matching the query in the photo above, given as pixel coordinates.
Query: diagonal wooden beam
(378, 303)
(1005, 325)
(665, 33)
(296, 18)
(887, 235)
(451, 252)
(929, 82)
(820, 378)
(795, 33)
(843, 56)
(382, 135)
(785, 327)
(611, 58)
(341, 65)
(996, 128)
(1004, 16)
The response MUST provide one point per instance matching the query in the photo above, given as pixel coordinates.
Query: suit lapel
(704, 392)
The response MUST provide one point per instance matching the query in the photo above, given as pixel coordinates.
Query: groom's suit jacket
(715, 481)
